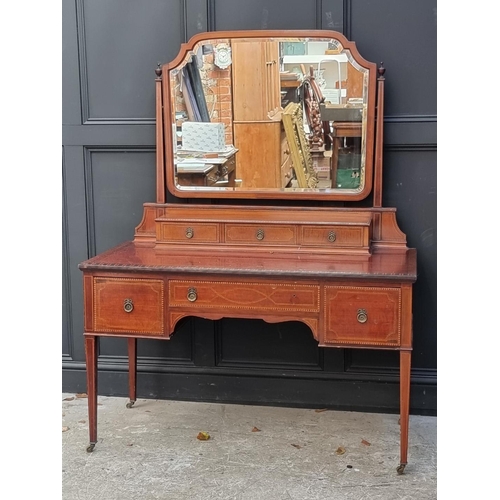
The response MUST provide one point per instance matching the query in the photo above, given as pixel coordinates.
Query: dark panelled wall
(110, 51)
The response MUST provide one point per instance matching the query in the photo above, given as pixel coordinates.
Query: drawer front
(260, 233)
(362, 315)
(180, 232)
(241, 296)
(333, 236)
(285, 149)
(128, 305)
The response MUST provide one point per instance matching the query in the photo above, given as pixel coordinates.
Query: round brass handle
(128, 305)
(189, 232)
(332, 236)
(260, 234)
(191, 295)
(362, 316)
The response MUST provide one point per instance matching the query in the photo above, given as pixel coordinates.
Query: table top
(387, 264)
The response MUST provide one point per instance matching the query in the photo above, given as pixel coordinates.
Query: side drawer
(185, 232)
(128, 305)
(241, 296)
(362, 315)
(335, 236)
(260, 234)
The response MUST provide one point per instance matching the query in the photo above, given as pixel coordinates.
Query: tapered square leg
(404, 404)
(91, 347)
(132, 371)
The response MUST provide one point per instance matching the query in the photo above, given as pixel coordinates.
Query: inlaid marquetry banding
(258, 286)
(358, 342)
(129, 280)
(363, 289)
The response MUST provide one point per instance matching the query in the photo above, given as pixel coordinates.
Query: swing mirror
(269, 115)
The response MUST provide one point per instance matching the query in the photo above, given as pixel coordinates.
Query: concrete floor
(151, 451)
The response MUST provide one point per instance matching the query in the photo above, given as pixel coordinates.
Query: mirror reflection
(269, 114)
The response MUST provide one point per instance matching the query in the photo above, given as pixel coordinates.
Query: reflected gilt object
(299, 146)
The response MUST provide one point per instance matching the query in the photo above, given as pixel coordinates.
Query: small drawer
(241, 296)
(128, 305)
(214, 176)
(180, 232)
(286, 172)
(362, 315)
(260, 234)
(285, 149)
(228, 167)
(340, 236)
(208, 177)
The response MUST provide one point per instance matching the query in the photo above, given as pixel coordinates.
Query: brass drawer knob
(332, 236)
(189, 232)
(191, 295)
(260, 234)
(362, 316)
(128, 305)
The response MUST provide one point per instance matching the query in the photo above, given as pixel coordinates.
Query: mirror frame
(312, 194)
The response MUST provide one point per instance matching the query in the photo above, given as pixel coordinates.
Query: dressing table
(332, 257)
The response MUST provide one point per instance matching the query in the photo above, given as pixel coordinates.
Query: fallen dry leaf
(340, 450)
(297, 446)
(64, 429)
(321, 410)
(255, 429)
(365, 442)
(69, 399)
(203, 436)
(81, 395)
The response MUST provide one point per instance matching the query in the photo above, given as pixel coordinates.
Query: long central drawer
(243, 296)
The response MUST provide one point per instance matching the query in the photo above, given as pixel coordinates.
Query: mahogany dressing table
(337, 261)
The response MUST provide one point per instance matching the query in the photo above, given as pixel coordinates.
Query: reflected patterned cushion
(203, 136)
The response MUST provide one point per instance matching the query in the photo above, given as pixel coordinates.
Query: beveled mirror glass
(270, 114)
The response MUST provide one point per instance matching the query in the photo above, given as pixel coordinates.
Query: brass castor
(90, 447)
(130, 403)
(401, 469)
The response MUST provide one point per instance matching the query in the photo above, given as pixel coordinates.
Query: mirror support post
(160, 158)
(379, 139)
